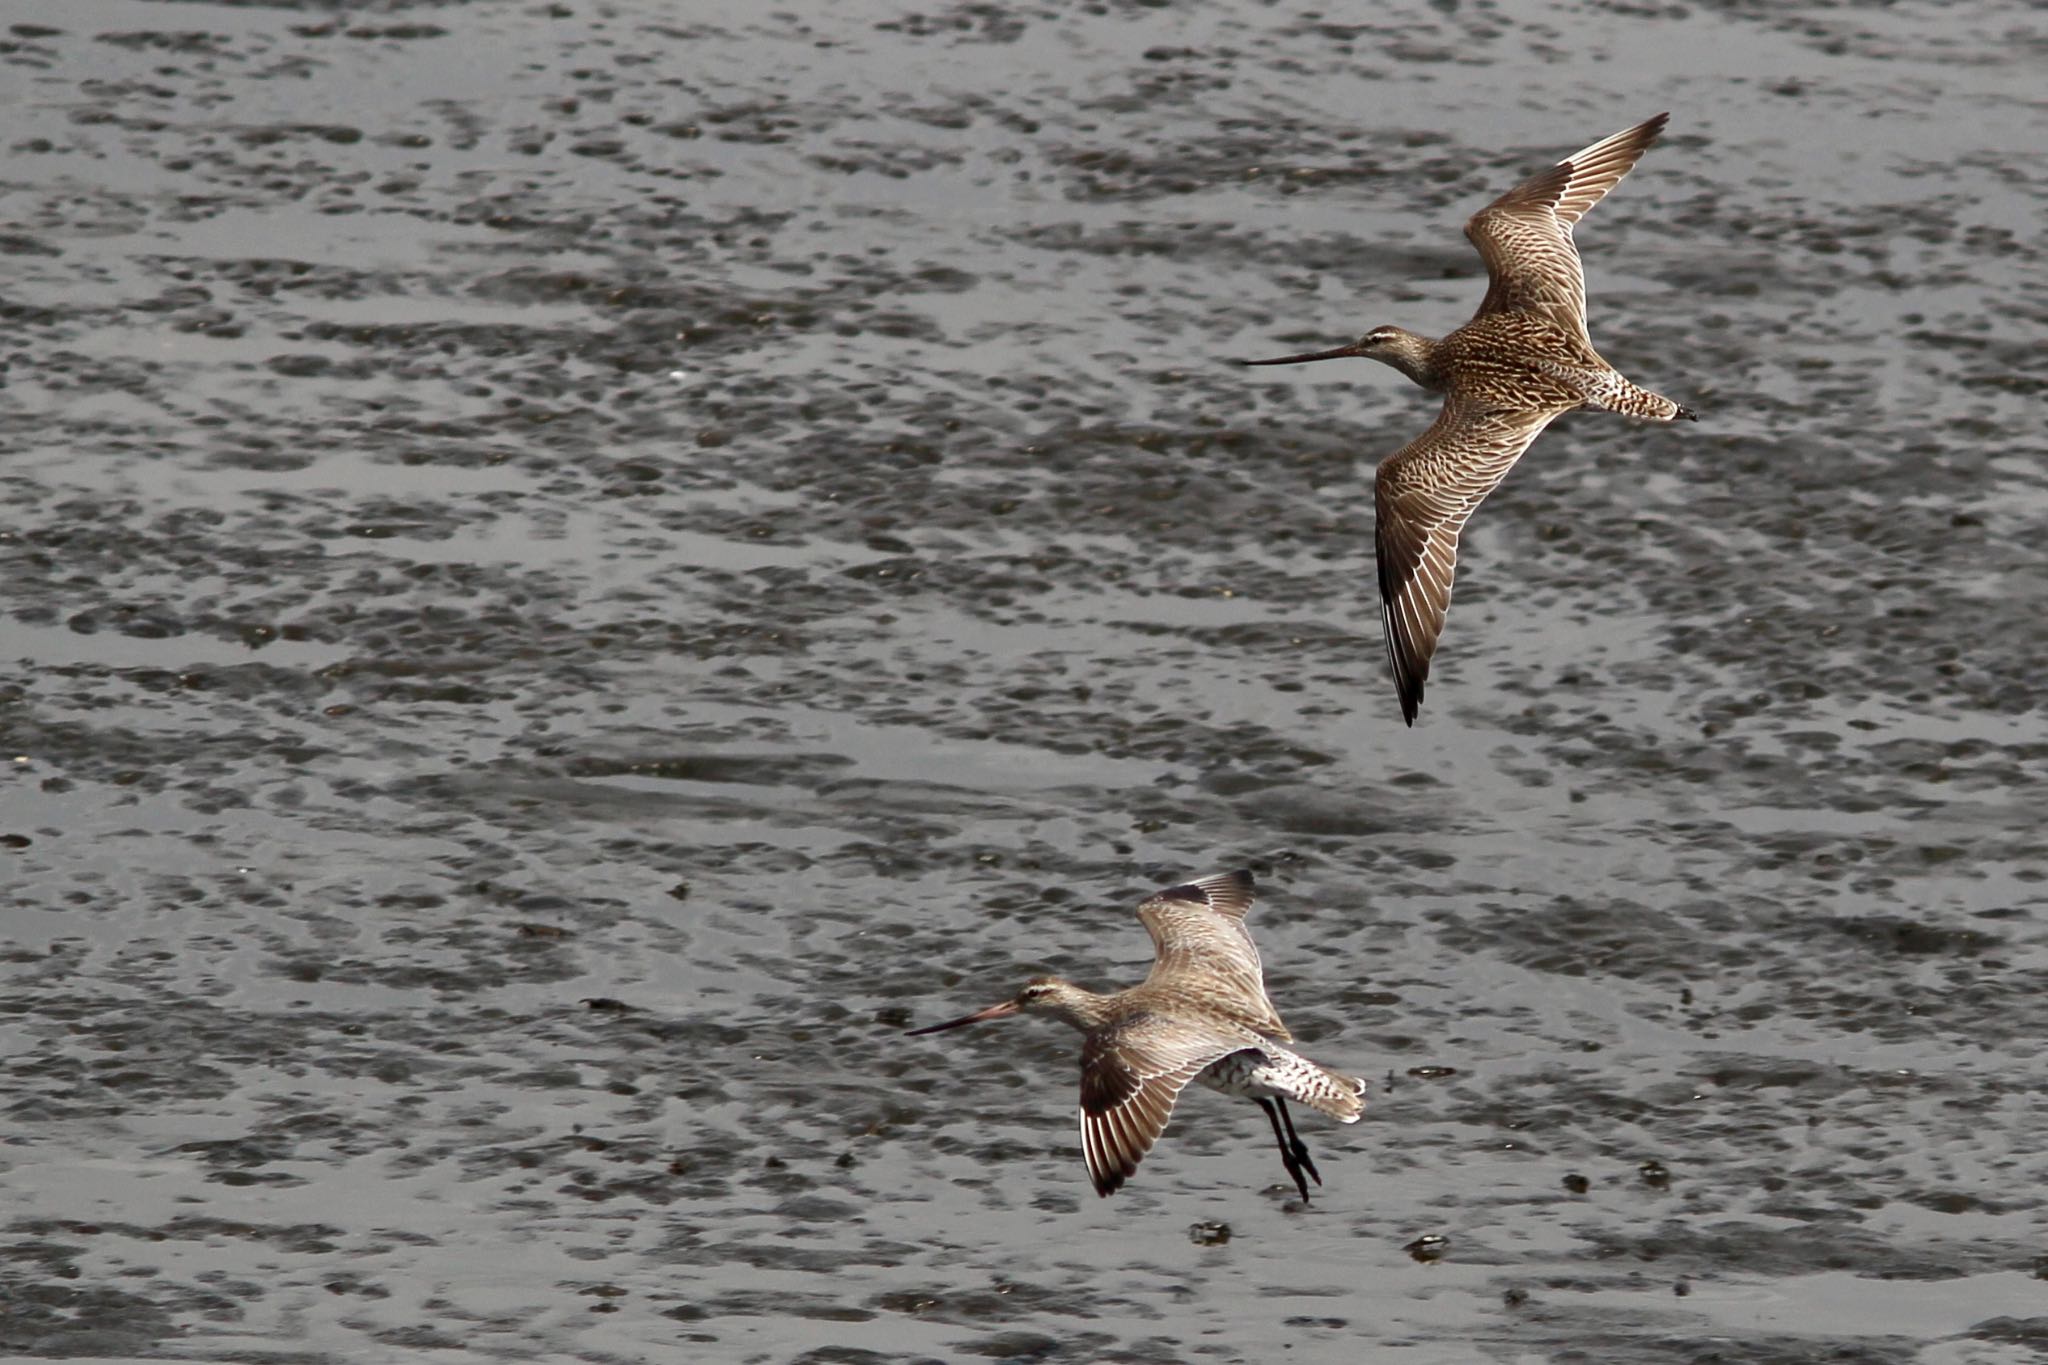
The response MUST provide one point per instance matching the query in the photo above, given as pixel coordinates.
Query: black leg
(1287, 1153)
(1300, 1148)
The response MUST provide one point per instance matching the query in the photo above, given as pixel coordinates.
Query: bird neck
(1416, 356)
(1080, 1008)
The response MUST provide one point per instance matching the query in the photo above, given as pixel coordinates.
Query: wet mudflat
(570, 570)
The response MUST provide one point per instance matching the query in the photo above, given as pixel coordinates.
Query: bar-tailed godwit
(1523, 360)
(1201, 1015)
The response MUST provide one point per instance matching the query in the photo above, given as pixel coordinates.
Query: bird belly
(1519, 362)
(1246, 1075)
(1274, 1073)
(1527, 383)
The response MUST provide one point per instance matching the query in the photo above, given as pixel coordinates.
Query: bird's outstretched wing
(1525, 236)
(1131, 1074)
(1424, 494)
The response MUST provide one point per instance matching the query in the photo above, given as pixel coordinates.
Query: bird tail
(1655, 407)
(1329, 1092)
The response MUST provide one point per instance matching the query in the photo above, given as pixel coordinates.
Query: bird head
(1040, 995)
(1380, 343)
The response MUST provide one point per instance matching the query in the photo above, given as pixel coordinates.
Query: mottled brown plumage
(1522, 361)
(1200, 1015)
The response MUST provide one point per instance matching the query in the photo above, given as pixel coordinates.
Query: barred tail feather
(1331, 1093)
(1654, 407)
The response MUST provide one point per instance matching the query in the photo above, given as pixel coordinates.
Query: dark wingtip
(1199, 890)
(1686, 414)
(1651, 129)
(1407, 682)
(1228, 892)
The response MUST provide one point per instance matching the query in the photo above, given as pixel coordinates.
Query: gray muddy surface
(572, 569)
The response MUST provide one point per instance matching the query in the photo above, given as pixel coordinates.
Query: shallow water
(574, 569)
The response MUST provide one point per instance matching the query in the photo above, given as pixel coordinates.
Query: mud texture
(571, 569)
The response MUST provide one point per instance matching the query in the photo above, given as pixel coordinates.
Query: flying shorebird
(1522, 361)
(1200, 1015)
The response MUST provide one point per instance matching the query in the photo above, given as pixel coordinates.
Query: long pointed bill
(1008, 1007)
(1337, 353)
